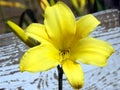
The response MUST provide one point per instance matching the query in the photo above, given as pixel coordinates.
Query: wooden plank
(107, 78)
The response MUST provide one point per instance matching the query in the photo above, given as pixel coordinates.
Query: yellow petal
(60, 24)
(92, 51)
(22, 35)
(74, 73)
(40, 58)
(37, 31)
(85, 25)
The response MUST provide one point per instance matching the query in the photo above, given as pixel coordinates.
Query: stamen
(65, 51)
(64, 54)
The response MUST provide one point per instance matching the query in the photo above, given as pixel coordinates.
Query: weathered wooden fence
(96, 78)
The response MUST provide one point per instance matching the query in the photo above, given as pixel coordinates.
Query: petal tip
(21, 69)
(79, 86)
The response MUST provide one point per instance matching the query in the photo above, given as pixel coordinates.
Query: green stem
(60, 76)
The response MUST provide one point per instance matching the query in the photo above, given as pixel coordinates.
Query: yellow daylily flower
(64, 41)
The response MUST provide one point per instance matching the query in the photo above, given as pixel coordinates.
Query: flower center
(64, 54)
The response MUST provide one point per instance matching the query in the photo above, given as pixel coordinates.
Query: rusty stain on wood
(107, 78)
